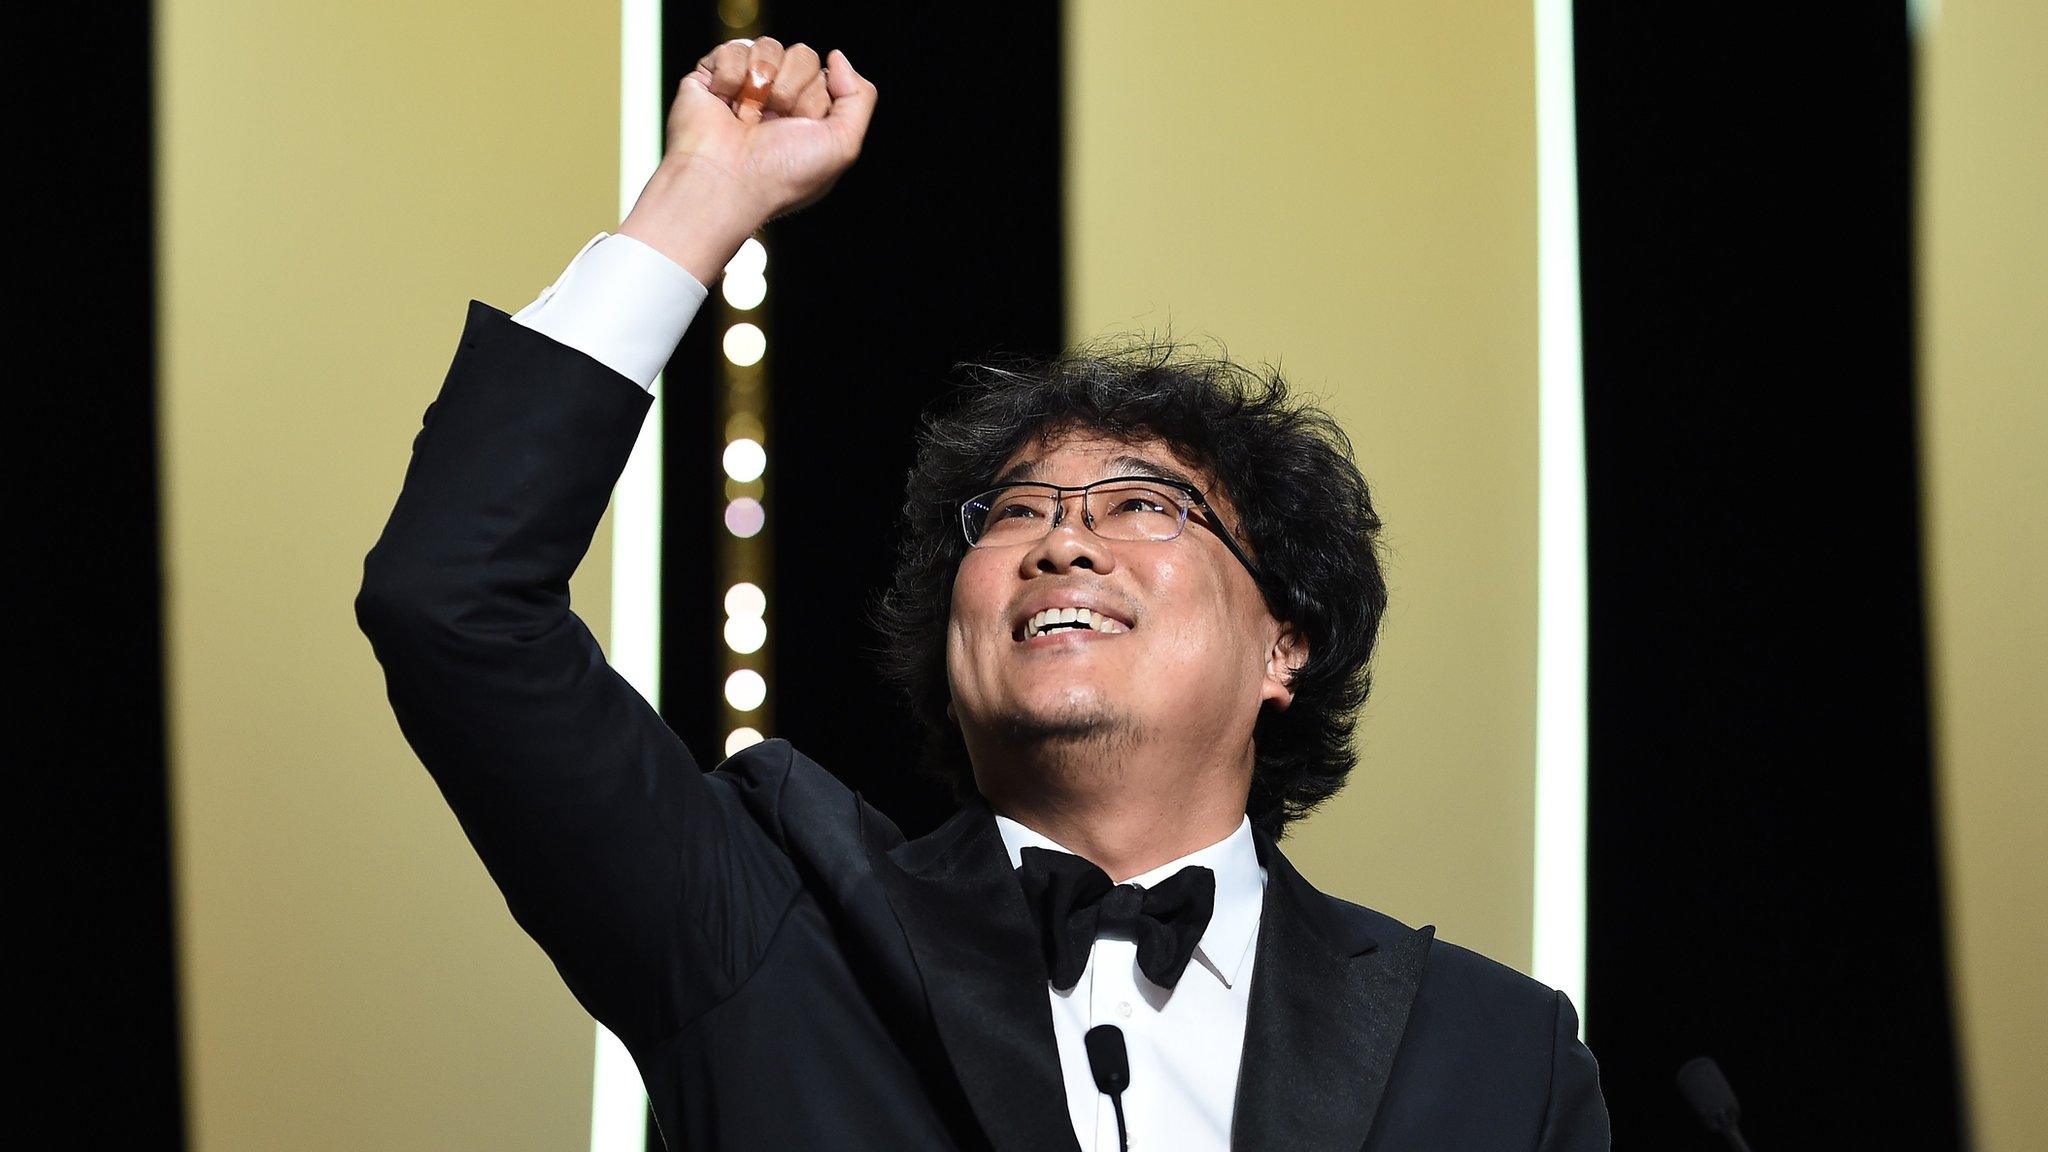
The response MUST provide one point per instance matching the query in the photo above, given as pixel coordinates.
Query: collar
(1240, 888)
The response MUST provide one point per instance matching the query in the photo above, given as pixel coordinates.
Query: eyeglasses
(1118, 508)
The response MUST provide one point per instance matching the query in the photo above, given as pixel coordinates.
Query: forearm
(626, 299)
(693, 213)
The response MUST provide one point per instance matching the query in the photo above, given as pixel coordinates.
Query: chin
(1078, 713)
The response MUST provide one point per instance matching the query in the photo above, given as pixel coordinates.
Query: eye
(1014, 512)
(1137, 500)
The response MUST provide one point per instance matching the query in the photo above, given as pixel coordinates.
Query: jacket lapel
(978, 953)
(1329, 1002)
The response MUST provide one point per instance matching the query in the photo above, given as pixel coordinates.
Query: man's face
(1192, 653)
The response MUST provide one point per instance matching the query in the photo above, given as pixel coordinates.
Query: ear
(1284, 657)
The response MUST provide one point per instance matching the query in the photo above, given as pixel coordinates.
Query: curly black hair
(1303, 513)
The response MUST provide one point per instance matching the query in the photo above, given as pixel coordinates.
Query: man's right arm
(631, 868)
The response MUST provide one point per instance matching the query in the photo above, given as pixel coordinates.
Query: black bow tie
(1074, 901)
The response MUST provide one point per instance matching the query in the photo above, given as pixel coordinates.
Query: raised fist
(756, 131)
(774, 121)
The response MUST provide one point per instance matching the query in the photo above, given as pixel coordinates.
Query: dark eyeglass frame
(1193, 498)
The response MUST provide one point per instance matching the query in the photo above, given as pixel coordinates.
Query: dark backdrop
(1762, 874)
(1763, 883)
(943, 243)
(87, 805)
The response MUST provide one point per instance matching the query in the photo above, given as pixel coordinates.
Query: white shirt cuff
(620, 302)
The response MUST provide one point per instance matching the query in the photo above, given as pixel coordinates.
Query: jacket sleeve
(1575, 1119)
(640, 876)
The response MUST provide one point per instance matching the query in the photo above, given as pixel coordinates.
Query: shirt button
(1123, 1009)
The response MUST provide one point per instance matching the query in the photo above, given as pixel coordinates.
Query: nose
(1070, 544)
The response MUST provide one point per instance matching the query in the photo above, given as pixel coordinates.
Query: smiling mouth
(1058, 620)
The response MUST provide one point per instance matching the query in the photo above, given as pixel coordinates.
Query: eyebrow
(1120, 466)
(1139, 466)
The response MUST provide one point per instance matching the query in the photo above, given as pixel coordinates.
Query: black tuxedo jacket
(788, 971)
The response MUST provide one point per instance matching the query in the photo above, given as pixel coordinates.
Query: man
(1135, 605)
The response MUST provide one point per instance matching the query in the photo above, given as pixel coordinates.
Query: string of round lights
(744, 544)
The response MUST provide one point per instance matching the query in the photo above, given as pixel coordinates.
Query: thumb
(853, 101)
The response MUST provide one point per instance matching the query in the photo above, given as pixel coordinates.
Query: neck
(1121, 826)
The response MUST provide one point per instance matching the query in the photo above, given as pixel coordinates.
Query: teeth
(1093, 621)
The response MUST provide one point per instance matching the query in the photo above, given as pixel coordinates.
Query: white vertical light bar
(1560, 889)
(618, 1105)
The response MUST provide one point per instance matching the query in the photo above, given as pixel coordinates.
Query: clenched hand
(756, 131)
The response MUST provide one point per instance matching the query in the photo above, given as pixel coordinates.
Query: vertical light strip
(618, 1105)
(745, 548)
(1560, 889)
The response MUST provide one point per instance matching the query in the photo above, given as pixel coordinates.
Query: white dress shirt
(1186, 1042)
(626, 305)
(620, 302)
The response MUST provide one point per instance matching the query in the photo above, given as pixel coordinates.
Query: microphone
(1704, 1087)
(1111, 1063)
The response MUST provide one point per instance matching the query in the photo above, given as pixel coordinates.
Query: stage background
(337, 182)
(1346, 188)
(1350, 190)
(1983, 279)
